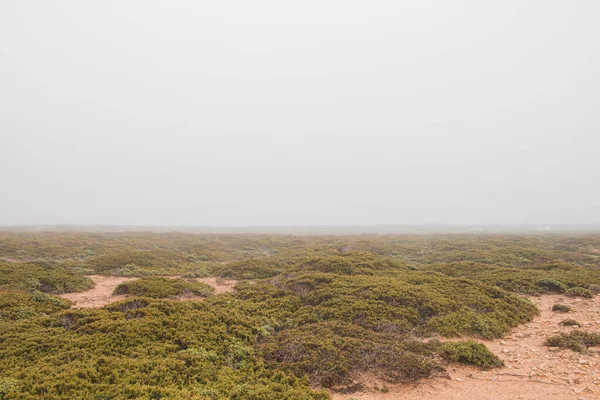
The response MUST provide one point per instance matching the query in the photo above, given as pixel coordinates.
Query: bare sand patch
(220, 285)
(532, 371)
(101, 294)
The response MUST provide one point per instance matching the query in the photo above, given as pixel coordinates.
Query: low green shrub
(249, 269)
(470, 352)
(42, 277)
(419, 302)
(552, 285)
(18, 305)
(339, 350)
(563, 308)
(196, 273)
(174, 350)
(579, 292)
(577, 340)
(532, 280)
(352, 263)
(159, 287)
(136, 259)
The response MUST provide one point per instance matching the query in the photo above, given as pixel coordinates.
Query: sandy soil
(101, 294)
(532, 371)
(220, 285)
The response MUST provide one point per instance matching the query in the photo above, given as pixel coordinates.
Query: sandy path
(532, 371)
(102, 294)
(11, 260)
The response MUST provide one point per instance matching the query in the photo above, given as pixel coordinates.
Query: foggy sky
(295, 113)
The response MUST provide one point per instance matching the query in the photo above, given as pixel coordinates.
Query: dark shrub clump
(552, 285)
(570, 322)
(577, 340)
(470, 352)
(579, 292)
(561, 308)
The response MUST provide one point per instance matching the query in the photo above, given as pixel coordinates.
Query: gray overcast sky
(295, 113)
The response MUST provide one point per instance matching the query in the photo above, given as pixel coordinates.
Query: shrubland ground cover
(308, 311)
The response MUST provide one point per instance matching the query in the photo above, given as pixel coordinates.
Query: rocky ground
(532, 370)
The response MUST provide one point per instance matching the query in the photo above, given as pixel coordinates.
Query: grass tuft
(570, 322)
(578, 341)
(562, 308)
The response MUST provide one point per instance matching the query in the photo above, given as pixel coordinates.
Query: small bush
(577, 341)
(561, 308)
(470, 352)
(570, 322)
(579, 292)
(196, 273)
(552, 285)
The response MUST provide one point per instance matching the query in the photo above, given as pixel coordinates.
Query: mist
(313, 113)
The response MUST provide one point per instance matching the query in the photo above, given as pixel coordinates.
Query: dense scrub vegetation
(554, 277)
(160, 288)
(367, 323)
(417, 303)
(16, 305)
(110, 251)
(308, 310)
(42, 277)
(142, 348)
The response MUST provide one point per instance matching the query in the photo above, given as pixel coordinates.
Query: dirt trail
(533, 371)
(102, 294)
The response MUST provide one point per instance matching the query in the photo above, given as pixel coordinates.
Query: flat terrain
(288, 317)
